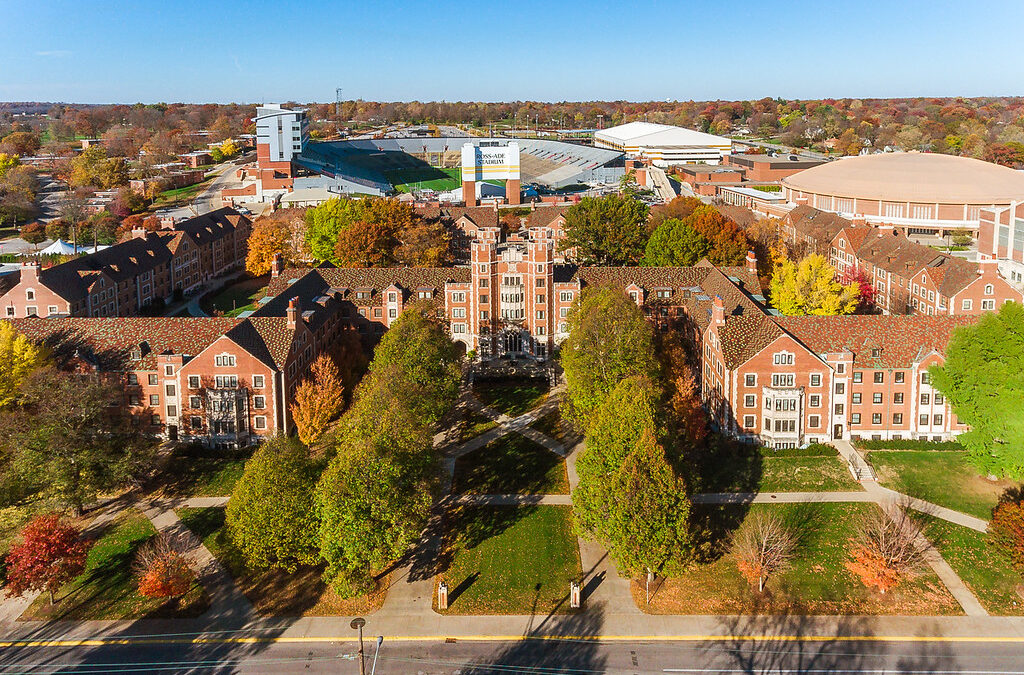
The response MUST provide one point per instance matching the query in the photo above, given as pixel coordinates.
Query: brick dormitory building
(781, 381)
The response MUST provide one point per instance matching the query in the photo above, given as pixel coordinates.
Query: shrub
(812, 450)
(162, 570)
(909, 444)
(888, 549)
(1006, 531)
(49, 555)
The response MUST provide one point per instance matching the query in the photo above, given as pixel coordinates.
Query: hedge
(910, 444)
(812, 450)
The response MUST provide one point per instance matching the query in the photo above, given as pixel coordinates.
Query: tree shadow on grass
(511, 464)
(721, 464)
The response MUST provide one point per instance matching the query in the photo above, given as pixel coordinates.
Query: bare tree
(890, 546)
(763, 546)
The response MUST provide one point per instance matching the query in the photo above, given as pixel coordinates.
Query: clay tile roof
(544, 215)
(268, 338)
(820, 225)
(902, 340)
(120, 262)
(744, 336)
(109, 341)
(740, 215)
(211, 226)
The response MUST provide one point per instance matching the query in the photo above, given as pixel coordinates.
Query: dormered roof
(268, 338)
(901, 340)
(483, 216)
(212, 226)
(819, 225)
(898, 255)
(109, 341)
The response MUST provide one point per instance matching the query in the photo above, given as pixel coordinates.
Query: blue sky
(179, 50)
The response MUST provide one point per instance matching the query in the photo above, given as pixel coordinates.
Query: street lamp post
(357, 624)
(380, 641)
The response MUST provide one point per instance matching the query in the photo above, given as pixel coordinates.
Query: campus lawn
(107, 589)
(817, 581)
(728, 466)
(275, 592)
(509, 560)
(512, 464)
(512, 396)
(473, 424)
(985, 571)
(236, 298)
(180, 195)
(553, 426)
(943, 478)
(195, 471)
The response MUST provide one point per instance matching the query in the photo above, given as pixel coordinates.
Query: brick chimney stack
(30, 271)
(751, 262)
(718, 311)
(277, 265)
(293, 313)
(987, 266)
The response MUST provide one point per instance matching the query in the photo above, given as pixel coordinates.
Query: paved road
(464, 658)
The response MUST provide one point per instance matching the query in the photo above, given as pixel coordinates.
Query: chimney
(293, 313)
(718, 311)
(277, 265)
(988, 266)
(30, 271)
(751, 262)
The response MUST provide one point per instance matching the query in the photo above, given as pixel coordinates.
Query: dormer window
(875, 353)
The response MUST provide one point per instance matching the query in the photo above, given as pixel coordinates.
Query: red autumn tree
(889, 548)
(49, 555)
(162, 570)
(867, 289)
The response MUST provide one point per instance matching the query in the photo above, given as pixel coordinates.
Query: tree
(68, 440)
(365, 244)
(49, 555)
(675, 244)
(34, 233)
(427, 359)
(609, 340)
(729, 245)
(608, 230)
(270, 516)
(889, 547)
(679, 209)
(8, 162)
(19, 359)
(319, 399)
(687, 419)
(372, 506)
(1006, 529)
(268, 239)
(981, 380)
(811, 288)
(162, 570)
(762, 546)
(324, 222)
(426, 243)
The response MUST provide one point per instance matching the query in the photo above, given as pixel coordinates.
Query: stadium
(393, 165)
(928, 194)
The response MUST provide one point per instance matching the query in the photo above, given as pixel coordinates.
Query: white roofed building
(664, 144)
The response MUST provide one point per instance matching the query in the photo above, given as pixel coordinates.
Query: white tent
(61, 247)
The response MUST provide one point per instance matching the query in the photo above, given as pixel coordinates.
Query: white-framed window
(750, 380)
(813, 421)
(259, 402)
(782, 358)
(563, 327)
(988, 304)
(168, 369)
(989, 289)
(195, 402)
(565, 296)
(226, 381)
(52, 309)
(257, 382)
(540, 330)
(748, 421)
(540, 313)
(193, 382)
(458, 296)
(30, 294)
(458, 328)
(967, 305)
(750, 401)
(195, 422)
(815, 379)
(260, 422)
(224, 360)
(459, 312)
(815, 401)
(783, 379)
(392, 297)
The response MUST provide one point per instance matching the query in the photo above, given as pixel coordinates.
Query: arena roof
(913, 177)
(650, 134)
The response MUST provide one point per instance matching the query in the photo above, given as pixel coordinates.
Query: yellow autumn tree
(319, 399)
(269, 237)
(810, 287)
(19, 358)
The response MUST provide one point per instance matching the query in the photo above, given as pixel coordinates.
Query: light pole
(357, 624)
(380, 641)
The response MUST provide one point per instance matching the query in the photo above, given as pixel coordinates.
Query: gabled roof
(902, 340)
(109, 341)
(544, 215)
(744, 336)
(819, 225)
(212, 226)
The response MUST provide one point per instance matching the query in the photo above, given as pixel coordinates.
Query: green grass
(510, 465)
(943, 478)
(724, 465)
(107, 589)
(178, 195)
(985, 571)
(236, 298)
(512, 396)
(509, 560)
(474, 424)
(426, 178)
(201, 472)
(275, 592)
(553, 426)
(816, 582)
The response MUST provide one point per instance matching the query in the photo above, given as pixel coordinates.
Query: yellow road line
(199, 640)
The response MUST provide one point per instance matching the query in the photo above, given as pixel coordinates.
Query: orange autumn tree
(319, 399)
(889, 548)
(268, 238)
(162, 570)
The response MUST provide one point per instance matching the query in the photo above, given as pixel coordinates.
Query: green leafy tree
(270, 516)
(372, 506)
(811, 288)
(608, 230)
(675, 244)
(67, 440)
(420, 348)
(324, 223)
(982, 379)
(609, 340)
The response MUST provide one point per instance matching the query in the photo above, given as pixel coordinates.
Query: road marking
(284, 639)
